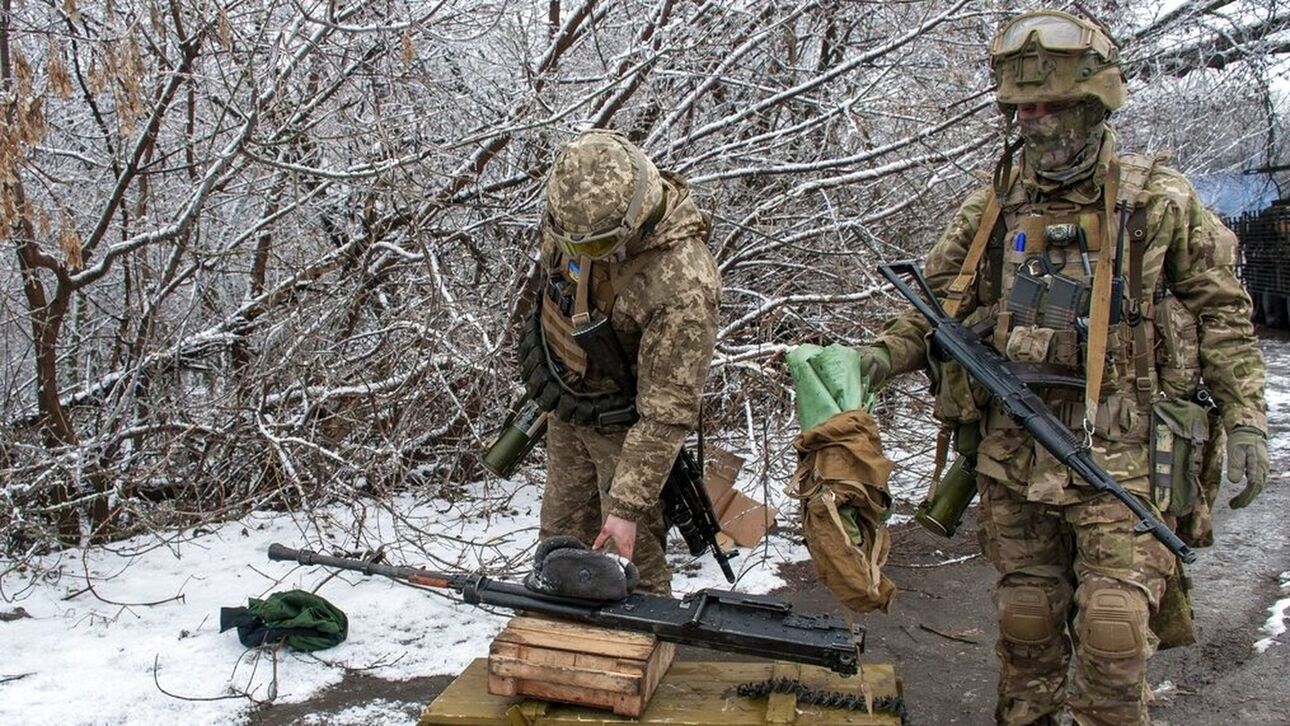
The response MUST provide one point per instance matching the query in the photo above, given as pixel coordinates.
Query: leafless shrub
(272, 254)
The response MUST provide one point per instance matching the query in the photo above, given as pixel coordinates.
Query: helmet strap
(1003, 168)
(637, 202)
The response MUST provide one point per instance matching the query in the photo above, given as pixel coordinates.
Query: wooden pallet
(554, 660)
(691, 693)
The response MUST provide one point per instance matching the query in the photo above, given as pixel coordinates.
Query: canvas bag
(841, 480)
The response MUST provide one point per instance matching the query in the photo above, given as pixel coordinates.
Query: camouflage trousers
(1073, 579)
(580, 467)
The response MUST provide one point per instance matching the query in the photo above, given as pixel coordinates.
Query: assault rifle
(757, 625)
(687, 506)
(952, 340)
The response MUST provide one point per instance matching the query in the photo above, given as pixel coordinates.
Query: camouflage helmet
(601, 192)
(1045, 56)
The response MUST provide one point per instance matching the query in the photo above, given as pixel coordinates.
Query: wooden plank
(557, 675)
(781, 708)
(500, 686)
(692, 693)
(562, 635)
(556, 630)
(561, 693)
(657, 667)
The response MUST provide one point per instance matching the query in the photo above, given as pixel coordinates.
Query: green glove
(875, 363)
(1247, 460)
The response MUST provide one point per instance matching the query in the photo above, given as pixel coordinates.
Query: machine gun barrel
(757, 625)
(953, 340)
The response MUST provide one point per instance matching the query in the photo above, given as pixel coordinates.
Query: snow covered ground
(149, 627)
(142, 647)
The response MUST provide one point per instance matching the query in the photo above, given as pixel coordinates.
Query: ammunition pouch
(1173, 621)
(543, 382)
(1035, 344)
(1178, 347)
(1179, 430)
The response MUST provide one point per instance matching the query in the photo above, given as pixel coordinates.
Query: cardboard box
(742, 519)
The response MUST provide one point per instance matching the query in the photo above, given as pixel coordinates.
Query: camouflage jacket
(665, 316)
(1189, 256)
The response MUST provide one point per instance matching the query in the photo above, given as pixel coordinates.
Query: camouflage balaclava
(1062, 145)
(1055, 58)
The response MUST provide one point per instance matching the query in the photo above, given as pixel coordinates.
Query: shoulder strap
(1099, 319)
(957, 290)
(581, 311)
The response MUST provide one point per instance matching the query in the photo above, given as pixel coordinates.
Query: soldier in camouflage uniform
(632, 241)
(1073, 577)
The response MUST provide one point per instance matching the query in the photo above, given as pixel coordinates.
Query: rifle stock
(756, 625)
(952, 340)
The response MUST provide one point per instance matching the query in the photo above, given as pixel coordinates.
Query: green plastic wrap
(838, 368)
(828, 382)
(815, 404)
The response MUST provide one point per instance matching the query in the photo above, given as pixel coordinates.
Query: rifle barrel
(413, 575)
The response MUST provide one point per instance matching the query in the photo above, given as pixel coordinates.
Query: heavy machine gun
(757, 625)
(951, 340)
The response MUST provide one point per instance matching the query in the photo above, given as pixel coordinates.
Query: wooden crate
(692, 693)
(567, 662)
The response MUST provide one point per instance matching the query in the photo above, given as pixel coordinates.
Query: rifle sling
(1137, 172)
(956, 293)
(1100, 313)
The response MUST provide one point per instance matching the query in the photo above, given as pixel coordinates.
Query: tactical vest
(1036, 268)
(1032, 267)
(559, 372)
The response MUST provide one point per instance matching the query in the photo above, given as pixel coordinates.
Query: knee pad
(1113, 623)
(1026, 615)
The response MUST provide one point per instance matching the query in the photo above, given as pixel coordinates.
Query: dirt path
(940, 632)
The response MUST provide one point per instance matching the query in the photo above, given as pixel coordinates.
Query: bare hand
(621, 531)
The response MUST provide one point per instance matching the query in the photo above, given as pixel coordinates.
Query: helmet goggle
(603, 243)
(1054, 31)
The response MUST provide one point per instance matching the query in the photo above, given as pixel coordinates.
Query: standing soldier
(619, 346)
(1105, 267)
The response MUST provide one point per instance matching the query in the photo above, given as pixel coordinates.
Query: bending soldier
(619, 345)
(1086, 261)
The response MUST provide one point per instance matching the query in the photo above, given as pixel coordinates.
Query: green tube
(941, 512)
(521, 432)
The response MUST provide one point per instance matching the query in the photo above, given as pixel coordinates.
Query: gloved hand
(1247, 460)
(875, 364)
(565, 566)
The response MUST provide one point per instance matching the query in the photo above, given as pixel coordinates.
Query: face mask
(1062, 144)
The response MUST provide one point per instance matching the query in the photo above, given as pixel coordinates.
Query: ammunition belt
(816, 697)
(552, 394)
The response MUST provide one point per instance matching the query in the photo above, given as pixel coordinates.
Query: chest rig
(1060, 282)
(571, 359)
